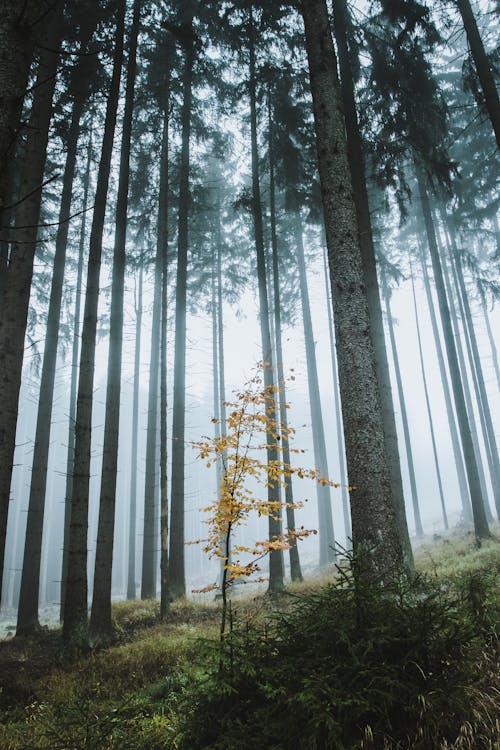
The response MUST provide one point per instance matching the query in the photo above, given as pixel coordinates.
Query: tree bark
(74, 380)
(276, 572)
(480, 522)
(338, 411)
(494, 354)
(483, 68)
(100, 618)
(404, 416)
(326, 532)
(376, 537)
(14, 315)
(75, 624)
(177, 561)
(360, 195)
(295, 570)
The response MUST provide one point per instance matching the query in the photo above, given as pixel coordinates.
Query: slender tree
(75, 604)
(100, 620)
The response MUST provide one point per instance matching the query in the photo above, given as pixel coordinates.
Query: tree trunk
(325, 519)
(481, 395)
(376, 537)
(100, 619)
(404, 416)
(177, 562)
(360, 194)
(480, 521)
(483, 68)
(74, 380)
(455, 442)
(131, 584)
(148, 583)
(164, 556)
(276, 572)
(27, 617)
(295, 570)
(14, 315)
(338, 412)
(465, 381)
(75, 604)
(428, 405)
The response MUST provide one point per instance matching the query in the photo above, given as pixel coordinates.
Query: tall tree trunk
(276, 572)
(27, 617)
(70, 458)
(338, 412)
(428, 405)
(360, 194)
(455, 441)
(476, 367)
(325, 519)
(177, 562)
(484, 71)
(404, 416)
(75, 604)
(14, 317)
(295, 570)
(374, 524)
(148, 583)
(100, 617)
(480, 521)
(164, 555)
(465, 381)
(131, 584)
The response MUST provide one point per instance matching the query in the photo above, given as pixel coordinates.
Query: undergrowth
(325, 668)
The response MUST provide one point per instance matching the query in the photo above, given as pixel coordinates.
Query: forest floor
(115, 697)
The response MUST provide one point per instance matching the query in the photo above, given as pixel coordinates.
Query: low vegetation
(320, 667)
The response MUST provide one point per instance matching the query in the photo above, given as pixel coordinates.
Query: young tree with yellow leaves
(251, 424)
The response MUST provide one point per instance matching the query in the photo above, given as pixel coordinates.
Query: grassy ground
(118, 697)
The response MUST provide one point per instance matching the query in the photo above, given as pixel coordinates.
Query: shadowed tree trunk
(27, 617)
(131, 583)
(276, 572)
(483, 68)
(428, 406)
(402, 405)
(295, 571)
(494, 354)
(75, 605)
(325, 519)
(360, 195)
(177, 562)
(480, 521)
(374, 524)
(148, 584)
(74, 379)
(19, 272)
(338, 412)
(100, 618)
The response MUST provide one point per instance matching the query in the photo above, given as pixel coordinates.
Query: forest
(249, 374)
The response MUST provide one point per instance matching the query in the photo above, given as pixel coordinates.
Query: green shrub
(346, 670)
